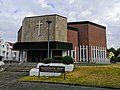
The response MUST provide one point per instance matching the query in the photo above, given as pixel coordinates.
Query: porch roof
(42, 45)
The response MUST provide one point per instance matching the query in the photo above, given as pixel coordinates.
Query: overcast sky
(104, 12)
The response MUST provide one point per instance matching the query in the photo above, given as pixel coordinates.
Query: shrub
(115, 59)
(48, 60)
(57, 59)
(67, 60)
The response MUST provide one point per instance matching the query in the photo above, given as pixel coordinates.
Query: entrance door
(36, 55)
(56, 53)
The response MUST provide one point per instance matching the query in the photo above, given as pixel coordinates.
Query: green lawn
(104, 75)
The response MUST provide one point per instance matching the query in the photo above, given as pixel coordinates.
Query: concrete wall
(32, 32)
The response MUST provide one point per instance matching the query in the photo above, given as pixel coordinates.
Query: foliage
(67, 60)
(117, 52)
(105, 75)
(57, 59)
(48, 60)
(111, 54)
(115, 59)
(112, 50)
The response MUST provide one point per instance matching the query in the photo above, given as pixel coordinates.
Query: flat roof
(46, 15)
(86, 22)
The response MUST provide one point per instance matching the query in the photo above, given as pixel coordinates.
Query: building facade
(7, 52)
(33, 38)
(92, 41)
(84, 41)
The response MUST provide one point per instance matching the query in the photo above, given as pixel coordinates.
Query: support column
(21, 55)
(98, 55)
(51, 53)
(75, 54)
(101, 54)
(80, 53)
(105, 56)
(94, 54)
(68, 53)
(26, 56)
(83, 54)
(91, 54)
(87, 53)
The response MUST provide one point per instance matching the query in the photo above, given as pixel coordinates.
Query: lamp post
(49, 22)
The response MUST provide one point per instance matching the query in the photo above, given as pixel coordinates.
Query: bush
(115, 59)
(57, 59)
(67, 60)
(48, 60)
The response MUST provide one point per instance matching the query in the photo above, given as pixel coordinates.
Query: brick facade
(90, 34)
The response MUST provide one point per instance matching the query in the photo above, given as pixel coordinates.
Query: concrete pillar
(105, 55)
(83, 53)
(51, 53)
(98, 54)
(80, 54)
(64, 53)
(101, 54)
(68, 53)
(94, 54)
(75, 54)
(21, 55)
(91, 54)
(87, 53)
(26, 56)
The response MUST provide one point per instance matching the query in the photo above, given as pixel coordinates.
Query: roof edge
(46, 15)
(86, 22)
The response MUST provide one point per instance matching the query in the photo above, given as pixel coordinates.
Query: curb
(86, 85)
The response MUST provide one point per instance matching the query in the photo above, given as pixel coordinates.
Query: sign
(54, 69)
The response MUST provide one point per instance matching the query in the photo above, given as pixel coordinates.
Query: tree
(117, 52)
(112, 50)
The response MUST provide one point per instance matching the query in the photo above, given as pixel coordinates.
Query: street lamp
(49, 22)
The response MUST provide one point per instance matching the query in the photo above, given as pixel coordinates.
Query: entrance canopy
(42, 45)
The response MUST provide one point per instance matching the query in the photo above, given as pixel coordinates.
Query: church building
(45, 36)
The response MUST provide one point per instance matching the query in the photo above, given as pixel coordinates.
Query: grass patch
(105, 75)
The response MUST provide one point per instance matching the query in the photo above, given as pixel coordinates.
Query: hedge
(48, 60)
(57, 59)
(67, 60)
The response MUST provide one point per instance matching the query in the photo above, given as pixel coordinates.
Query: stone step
(26, 67)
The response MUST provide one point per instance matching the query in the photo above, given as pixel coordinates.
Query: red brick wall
(97, 36)
(91, 35)
(72, 37)
(83, 33)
